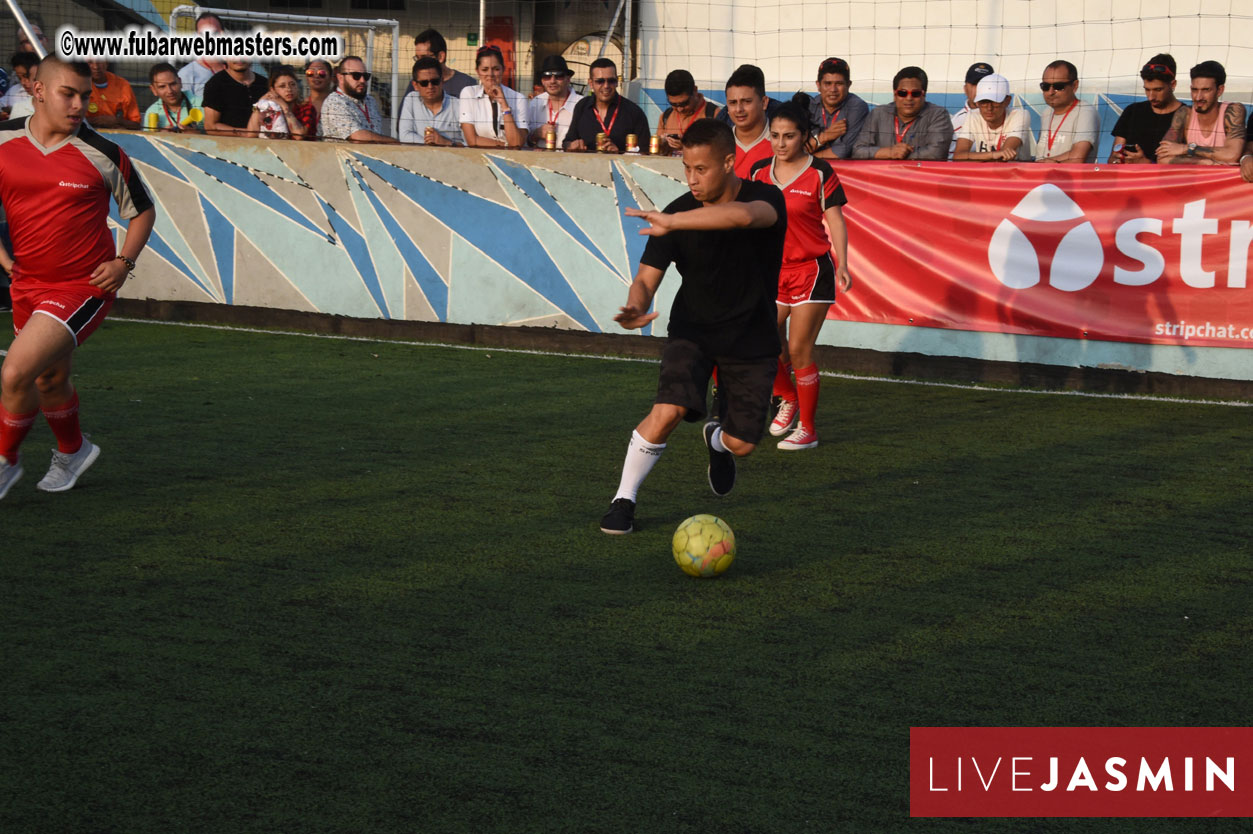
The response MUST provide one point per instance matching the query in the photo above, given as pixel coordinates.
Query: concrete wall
(471, 237)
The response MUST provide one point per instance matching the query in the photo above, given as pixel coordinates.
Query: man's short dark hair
(157, 69)
(426, 62)
(24, 59)
(747, 75)
(713, 133)
(432, 39)
(206, 15)
(680, 82)
(1152, 70)
(51, 61)
(603, 63)
(1210, 69)
(835, 66)
(339, 69)
(1072, 74)
(910, 72)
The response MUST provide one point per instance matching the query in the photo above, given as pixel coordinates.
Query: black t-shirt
(233, 100)
(730, 279)
(624, 116)
(1140, 126)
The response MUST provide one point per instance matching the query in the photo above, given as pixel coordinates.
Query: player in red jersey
(808, 279)
(746, 109)
(56, 179)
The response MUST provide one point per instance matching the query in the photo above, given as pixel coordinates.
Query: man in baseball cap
(974, 75)
(994, 132)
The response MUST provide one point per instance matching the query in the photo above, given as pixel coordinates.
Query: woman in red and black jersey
(809, 277)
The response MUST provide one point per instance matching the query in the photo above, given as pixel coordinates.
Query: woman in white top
(492, 115)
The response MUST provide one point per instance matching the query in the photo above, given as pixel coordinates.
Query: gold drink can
(654, 145)
(150, 121)
(550, 140)
(633, 143)
(600, 141)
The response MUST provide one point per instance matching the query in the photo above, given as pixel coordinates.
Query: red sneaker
(802, 438)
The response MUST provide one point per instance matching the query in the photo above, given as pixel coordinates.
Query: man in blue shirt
(428, 115)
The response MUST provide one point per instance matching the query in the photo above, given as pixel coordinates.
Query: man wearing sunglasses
(1069, 132)
(1211, 131)
(553, 110)
(604, 112)
(909, 127)
(229, 97)
(350, 112)
(1142, 125)
(319, 76)
(429, 116)
(836, 114)
(686, 106)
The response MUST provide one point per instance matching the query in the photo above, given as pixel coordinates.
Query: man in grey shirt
(910, 127)
(429, 116)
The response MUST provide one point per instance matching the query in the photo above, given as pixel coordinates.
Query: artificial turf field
(317, 585)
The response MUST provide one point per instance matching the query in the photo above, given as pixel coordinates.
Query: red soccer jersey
(57, 201)
(747, 156)
(810, 193)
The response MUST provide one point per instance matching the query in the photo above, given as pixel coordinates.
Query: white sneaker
(803, 438)
(9, 475)
(785, 420)
(66, 469)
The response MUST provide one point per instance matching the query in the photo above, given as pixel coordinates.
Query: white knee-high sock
(640, 457)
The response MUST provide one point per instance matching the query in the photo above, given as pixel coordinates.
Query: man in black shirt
(1142, 125)
(604, 111)
(726, 238)
(229, 97)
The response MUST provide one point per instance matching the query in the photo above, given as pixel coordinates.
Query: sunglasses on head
(1045, 86)
(427, 82)
(610, 81)
(484, 50)
(1158, 69)
(356, 76)
(834, 65)
(910, 93)
(315, 73)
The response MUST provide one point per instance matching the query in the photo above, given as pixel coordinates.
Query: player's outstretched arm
(640, 297)
(757, 214)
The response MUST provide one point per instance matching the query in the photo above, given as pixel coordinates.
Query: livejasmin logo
(1021, 773)
(1080, 255)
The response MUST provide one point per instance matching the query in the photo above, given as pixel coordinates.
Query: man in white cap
(995, 132)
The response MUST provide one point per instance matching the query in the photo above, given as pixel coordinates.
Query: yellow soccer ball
(704, 545)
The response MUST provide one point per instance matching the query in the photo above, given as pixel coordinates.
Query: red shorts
(78, 306)
(807, 282)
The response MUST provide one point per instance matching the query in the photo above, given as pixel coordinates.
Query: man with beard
(350, 112)
(1210, 132)
(553, 109)
(229, 97)
(1142, 125)
(836, 114)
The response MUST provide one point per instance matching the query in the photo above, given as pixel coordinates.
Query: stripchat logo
(1078, 259)
(1142, 249)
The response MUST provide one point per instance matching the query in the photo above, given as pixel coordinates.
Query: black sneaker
(721, 464)
(620, 518)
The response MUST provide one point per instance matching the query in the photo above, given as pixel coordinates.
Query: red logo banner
(1081, 771)
(1131, 253)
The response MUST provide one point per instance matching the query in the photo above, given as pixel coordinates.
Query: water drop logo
(1077, 260)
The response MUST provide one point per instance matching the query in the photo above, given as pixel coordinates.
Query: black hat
(555, 63)
(977, 71)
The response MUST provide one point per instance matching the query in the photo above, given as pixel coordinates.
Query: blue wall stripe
(157, 244)
(358, 253)
(222, 239)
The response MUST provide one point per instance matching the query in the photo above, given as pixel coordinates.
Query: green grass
(318, 586)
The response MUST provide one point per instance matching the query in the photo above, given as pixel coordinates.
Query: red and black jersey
(57, 201)
(746, 156)
(810, 193)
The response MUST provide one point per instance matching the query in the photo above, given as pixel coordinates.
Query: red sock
(64, 422)
(715, 376)
(783, 386)
(13, 429)
(807, 393)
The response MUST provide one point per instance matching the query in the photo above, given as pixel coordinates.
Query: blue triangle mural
(222, 239)
(157, 244)
(497, 231)
(358, 253)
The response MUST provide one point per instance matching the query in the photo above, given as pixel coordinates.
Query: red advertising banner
(1129, 253)
(1081, 771)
